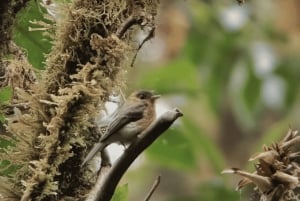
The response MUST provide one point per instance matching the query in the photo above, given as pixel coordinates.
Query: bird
(132, 117)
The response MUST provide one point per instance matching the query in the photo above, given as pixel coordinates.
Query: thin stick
(134, 19)
(153, 188)
(150, 35)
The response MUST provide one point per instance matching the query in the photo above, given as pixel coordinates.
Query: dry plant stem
(109, 181)
(150, 35)
(153, 188)
(131, 20)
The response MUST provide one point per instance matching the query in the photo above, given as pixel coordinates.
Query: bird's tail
(97, 147)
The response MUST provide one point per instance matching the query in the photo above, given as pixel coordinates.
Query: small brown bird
(134, 116)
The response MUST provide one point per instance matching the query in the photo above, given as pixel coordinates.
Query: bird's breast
(130, 131)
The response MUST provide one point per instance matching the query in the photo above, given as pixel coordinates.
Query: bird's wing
(126, 114)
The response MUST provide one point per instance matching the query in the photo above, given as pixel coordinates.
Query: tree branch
(109, 180)
(104, 170)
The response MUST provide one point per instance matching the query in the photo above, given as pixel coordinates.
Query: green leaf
(34, 42)
(121, 193)
(4, 163)
(5, 94)
(4, 143)
(10, 171)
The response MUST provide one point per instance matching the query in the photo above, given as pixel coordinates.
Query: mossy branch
(87, 63)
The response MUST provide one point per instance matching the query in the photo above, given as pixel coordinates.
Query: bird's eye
(142, 96)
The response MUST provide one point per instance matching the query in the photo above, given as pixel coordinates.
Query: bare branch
(109, 180)
(105, 167)
(148, 37)
(135, 19)
(153, 188)
(93, 193)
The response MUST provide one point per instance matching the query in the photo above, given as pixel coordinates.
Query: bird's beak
(154, 97)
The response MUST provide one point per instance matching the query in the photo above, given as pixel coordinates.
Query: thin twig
(153, 188)
(129, 22)
(150, 35)
(109, 180)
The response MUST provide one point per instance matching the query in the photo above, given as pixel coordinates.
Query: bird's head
(145, 96)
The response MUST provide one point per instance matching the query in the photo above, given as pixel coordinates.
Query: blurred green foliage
(173, 150)
(176, 76)
(217, 191)
(180, 146)
(212, 190)
(220, 66)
